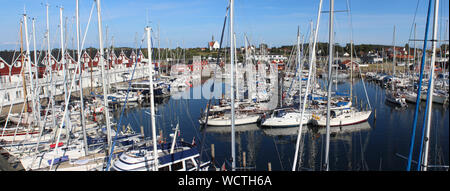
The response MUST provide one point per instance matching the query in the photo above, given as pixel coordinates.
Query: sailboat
(174, 156)
(185, 157)
(422, 163)
(396, 98)
(342, 117)
(286, 118)
(290, 117)
(224, 118)
(393, 95)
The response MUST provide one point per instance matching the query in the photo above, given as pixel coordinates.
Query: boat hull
(224, 121)
(347, 119)
(286, 121)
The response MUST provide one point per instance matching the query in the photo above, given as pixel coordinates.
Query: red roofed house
(4, 71)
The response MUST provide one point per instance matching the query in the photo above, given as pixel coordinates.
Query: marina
(312, 106)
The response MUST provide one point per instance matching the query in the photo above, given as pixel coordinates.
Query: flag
(223, 167)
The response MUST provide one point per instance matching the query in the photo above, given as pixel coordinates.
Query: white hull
(143, 160)
(441, 99)
(290, 119)
(396, 100)
(239, 120)
(344, 119)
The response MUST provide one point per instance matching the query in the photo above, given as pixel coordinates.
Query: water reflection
(227, 129)
(367, 146)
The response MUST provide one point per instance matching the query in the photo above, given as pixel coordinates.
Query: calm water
(374, 145)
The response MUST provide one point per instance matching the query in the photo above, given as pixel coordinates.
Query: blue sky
(192, 23)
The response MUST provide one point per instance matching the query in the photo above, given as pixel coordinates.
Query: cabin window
(177, 166)
(18, 64)
(190, 164)
(165, 168)
(18, 94)
(4, 79)
(2, 65)
(6, 96)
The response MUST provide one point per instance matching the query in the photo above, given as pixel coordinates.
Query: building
(371, 58)
(213, 45)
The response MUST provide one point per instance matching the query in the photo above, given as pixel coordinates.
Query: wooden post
(243, 159)
(142, 131)
(212, 152)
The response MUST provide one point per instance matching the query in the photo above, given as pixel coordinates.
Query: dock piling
(243, 160)
(212, 152)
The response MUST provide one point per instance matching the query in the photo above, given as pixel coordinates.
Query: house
(371, 58)
(123, 60)
(4, 71)
(16, 67)
(213, 45)
(112, 60)
(86, 60)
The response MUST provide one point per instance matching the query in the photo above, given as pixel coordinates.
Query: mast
(152, 101)
(50, 96)
(351, 70)
(414, 59)
(246, 49)
(382, 60)
(159, 53)
(49, 56)
(36, 90)
(107, 61)
(27, 44)
(22, 70)
(237, 69)
(233, 149)
(63, 62)
(83, 125)
(445, 47)
(422, 68)
(393, 60)
(330, 62)
(300, 68)
(312, 61)
(428, 113)
(102, 66)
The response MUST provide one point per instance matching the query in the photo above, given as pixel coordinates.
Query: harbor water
(381, 143)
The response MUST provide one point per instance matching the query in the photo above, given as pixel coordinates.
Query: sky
(192, 23)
